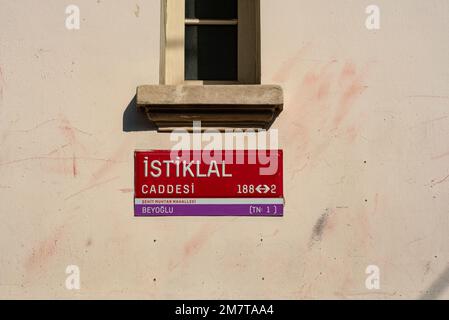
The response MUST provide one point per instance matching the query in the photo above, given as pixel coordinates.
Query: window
(210, 42)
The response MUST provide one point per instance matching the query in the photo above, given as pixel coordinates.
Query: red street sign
(202, 183)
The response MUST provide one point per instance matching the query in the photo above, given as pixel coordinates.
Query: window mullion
(211, 22)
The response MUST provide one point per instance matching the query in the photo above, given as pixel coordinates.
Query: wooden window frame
(172, 59)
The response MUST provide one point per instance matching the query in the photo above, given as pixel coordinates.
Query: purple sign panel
(209, 207)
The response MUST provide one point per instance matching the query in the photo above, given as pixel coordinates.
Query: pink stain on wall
(63, 159)
(286, 69)
(198, 240)
(325, 97)
(58, 165)
(440, 156)
(323, 90)
(67, 130)
(74, 166)
(351, 133)
(108, 166)
(195, 244)
(349, 71)
(353, 86)
(43, 251)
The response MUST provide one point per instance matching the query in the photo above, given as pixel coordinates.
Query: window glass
(211, 53)
(211, 9)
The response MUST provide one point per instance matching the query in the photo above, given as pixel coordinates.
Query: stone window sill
(216, 106)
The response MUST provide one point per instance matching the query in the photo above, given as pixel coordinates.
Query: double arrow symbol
(263, 189)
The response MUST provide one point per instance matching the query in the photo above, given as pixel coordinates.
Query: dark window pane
(211, 9)
(211, 53)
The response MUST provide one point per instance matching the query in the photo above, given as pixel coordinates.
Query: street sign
(205, 183)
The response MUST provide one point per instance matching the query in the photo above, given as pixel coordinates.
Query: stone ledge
(218, 106)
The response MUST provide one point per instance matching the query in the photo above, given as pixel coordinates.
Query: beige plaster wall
(365, 134)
